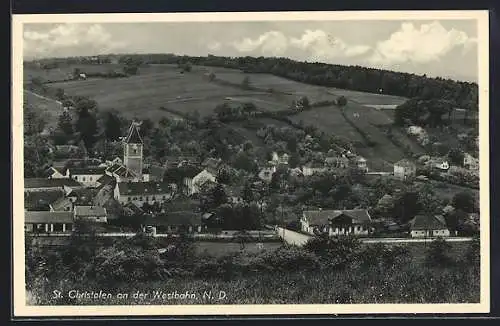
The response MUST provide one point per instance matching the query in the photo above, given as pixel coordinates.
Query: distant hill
(462, 94)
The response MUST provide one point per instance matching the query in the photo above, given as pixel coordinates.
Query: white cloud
(317, 44)
(428, 43)
(323, 46)
(214, 46)
(68, 39)
(270, 43)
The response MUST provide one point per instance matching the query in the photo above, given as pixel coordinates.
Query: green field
(66, 71)
(50, 109)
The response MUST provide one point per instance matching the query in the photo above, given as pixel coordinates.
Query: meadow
(50, 108)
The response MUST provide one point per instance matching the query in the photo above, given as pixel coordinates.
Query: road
(43, 97)
(299, 239)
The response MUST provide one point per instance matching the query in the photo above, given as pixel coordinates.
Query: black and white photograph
(251, 163)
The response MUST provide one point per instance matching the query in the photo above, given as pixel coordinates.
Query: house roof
(87, 171)
(61, 203)
(49, 183)
(41, 199)
(48, 217)
(191, 171)
(50, 171)
(144, 188)
(84, 211)
(105, 179)
(133, 134)
(175, 218)
(321, 217)
(157, 172)
(405, 163)
(427, 222)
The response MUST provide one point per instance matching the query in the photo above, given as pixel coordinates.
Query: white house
(313, 168)
(53, 173)
(86, 176)
(470, 162)
(139, 193)
(48, 222)
(266, 173)
(336, 222)
(277, 159)
(405, 169)
(423, 226)
(193, 182)
(90, 213)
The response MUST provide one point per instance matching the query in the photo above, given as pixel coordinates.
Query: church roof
(133, 134)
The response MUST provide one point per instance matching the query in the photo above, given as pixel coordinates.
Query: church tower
(132, 150)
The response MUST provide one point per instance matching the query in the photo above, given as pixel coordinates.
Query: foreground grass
(357, 285)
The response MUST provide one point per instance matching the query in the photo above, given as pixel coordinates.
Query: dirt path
(43, 97)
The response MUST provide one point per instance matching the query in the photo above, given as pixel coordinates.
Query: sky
(446, 48)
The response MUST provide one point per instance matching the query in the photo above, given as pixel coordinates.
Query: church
(132, 175)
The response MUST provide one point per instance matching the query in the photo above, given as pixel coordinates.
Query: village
(183, 195)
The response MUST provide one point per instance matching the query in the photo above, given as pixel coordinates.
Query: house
(41, 200)
(361, 163)
(277, 159)
(87, 176)
(90, 213)
(53, 173)
(48, 222)
(143, 192)
(266, 173)
(43, 184)
(470, 162)
(439, 164)
(353, 221)
(194, 179)
(234, 194)
(69, 151)
(336, 222)
(341, 162)
(106, 180)
(175, 222)
(313, 168)
(156, 173)
(405, 169)
(422, 226)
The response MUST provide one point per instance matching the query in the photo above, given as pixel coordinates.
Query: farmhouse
(48, 222)
(143, 192)
(175, 222)
(336, 222)
(87, 176)
(90, 213)
(42, 184)
(428, 226)
(405, 169)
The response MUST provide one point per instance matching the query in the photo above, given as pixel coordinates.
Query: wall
(89, 180)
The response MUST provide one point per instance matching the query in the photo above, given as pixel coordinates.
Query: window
(135, 198)
(163, 197)
(153, 198)
(83, 178)
(147, 198)
(128, 198)
(140, 198)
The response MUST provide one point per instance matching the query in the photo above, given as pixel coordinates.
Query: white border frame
(19, 293)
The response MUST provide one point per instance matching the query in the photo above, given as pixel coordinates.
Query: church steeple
(132, 150)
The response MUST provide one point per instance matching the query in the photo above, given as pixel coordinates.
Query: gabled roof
(40, 200)
(87, 171)
(59, 204)
(133, 134)
(144, 188)
(49, 183)
(48, 217)
(427, 222)
(89, 211)
(105, 179)
(322, 217)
